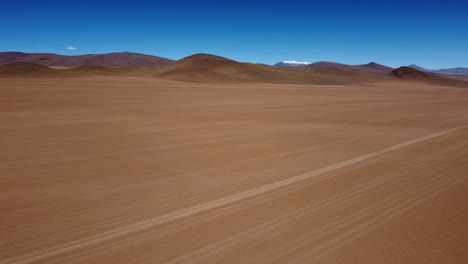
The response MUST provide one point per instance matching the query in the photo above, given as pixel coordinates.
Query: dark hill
(411, 74)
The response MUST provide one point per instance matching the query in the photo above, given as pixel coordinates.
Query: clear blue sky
(433, 34)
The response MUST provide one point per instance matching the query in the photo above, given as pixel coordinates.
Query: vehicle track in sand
(232, 199)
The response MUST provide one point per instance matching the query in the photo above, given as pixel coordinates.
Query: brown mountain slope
(211, 68)
(411, 74)
(371, 67)
(374, 67)
(24, 69)
(325, 66)
(85, 70)
(114, 60)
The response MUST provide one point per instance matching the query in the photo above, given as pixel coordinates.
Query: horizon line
(286, 60)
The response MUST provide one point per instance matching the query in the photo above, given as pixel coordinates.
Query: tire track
(389, 206)
(329, 202)
(433, 187)
(363, 227)
(334, 226)
(115, 233)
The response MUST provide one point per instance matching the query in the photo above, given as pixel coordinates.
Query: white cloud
(71, 48)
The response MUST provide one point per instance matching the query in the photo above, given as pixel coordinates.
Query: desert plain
(140, 170)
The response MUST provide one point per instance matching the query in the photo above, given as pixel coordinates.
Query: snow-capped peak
(296, 62)
(289, 63)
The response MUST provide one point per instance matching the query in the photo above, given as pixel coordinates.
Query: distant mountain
(454, 71)
(197, 68)
(24, 69)
(374, 67)
(459, 71)
(113, 60)
(211, 68)
(288, 64)
(325, 66)
(370, 67)
(419, 68)
(412, 74)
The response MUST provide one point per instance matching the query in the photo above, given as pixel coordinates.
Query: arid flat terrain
(139, 170)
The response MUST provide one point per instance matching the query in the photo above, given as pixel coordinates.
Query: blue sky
(433, 34)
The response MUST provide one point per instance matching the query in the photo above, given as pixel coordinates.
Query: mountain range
(208, 68)
(112, 60)
(211, 68)
(459, 71)
(333, 66)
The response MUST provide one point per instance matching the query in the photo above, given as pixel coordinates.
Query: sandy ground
(130, 170)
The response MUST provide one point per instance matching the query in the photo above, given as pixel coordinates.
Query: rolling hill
(24, 69)
(411, 74)
(112, 60)
(215, 69)
(211, 68)
(458, 71)
(324, 66)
